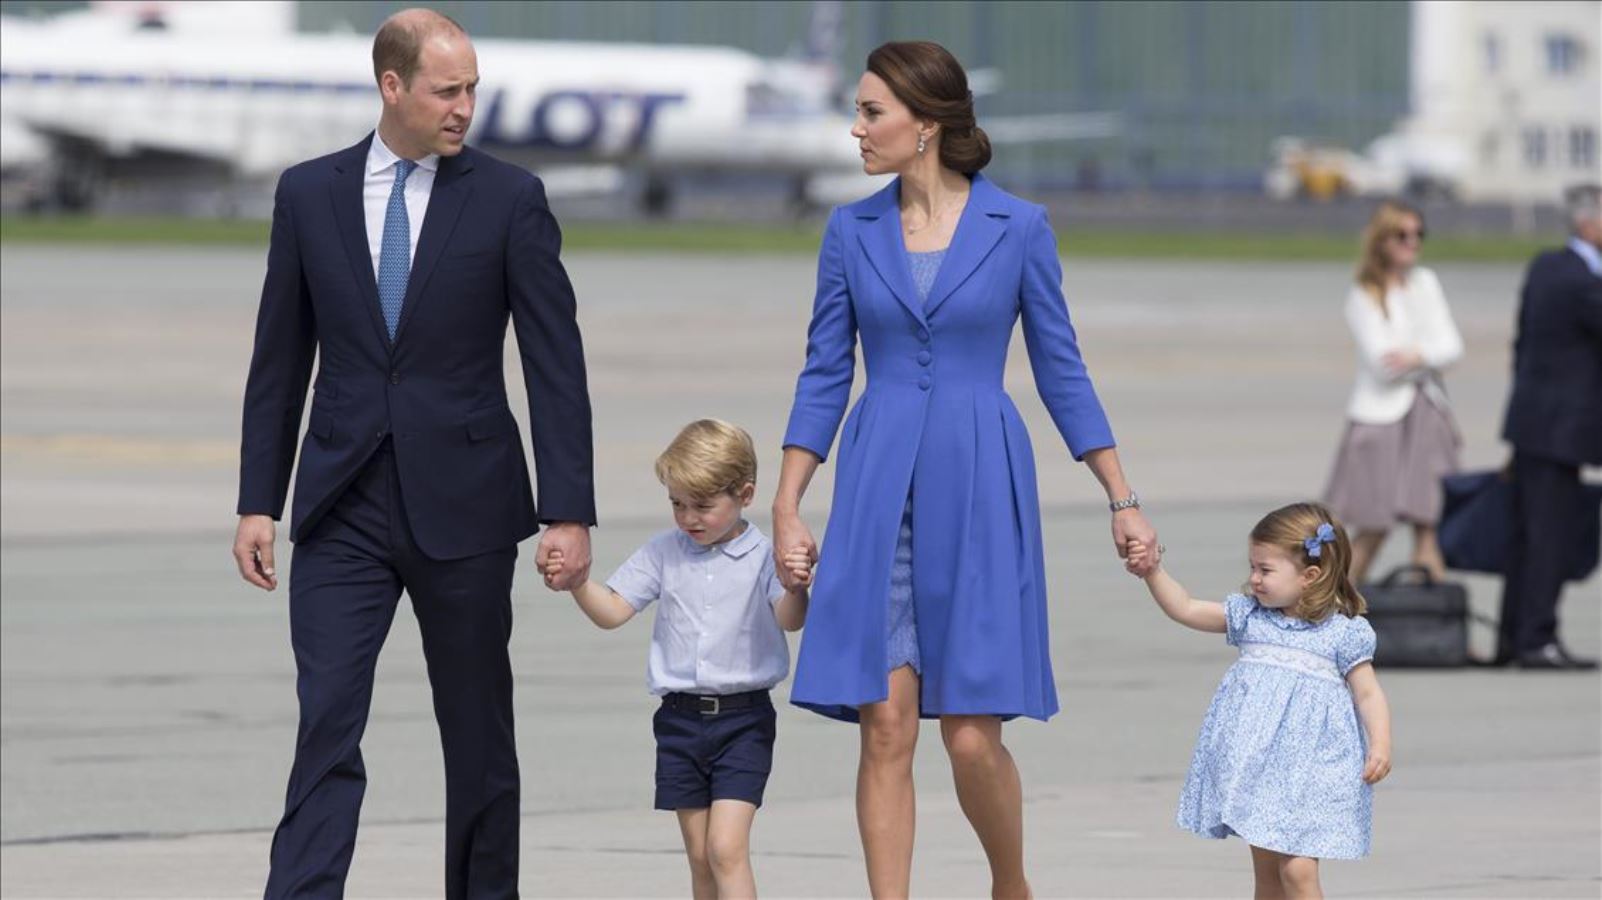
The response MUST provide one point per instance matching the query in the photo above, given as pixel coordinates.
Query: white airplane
(229, 89)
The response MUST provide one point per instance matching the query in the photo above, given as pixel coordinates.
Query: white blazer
(1415, 317)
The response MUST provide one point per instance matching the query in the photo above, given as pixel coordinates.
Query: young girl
(1281, 761)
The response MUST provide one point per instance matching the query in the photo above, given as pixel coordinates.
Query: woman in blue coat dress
(929, 599)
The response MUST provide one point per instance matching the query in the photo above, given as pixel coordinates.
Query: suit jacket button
(394, 378)
(924, 382)
(924, 357)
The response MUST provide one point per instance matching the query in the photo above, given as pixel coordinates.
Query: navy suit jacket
(488, 252)
(1555, 411)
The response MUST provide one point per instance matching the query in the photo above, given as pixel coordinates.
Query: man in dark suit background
(1554, 422)
(398, 263)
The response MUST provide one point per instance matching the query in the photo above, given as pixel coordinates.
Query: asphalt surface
(146, 695)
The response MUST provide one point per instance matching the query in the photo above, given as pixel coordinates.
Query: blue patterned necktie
(395, 255)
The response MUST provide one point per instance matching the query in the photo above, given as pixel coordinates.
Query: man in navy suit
(1554, 422)
(397, 263)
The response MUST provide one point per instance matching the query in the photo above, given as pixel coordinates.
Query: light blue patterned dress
(901, 624)
(1280, 758)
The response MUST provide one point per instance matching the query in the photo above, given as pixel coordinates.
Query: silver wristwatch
(1130, 502)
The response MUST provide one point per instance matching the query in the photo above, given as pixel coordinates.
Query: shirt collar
(380, 157)
(1591, 255)
(735, 549)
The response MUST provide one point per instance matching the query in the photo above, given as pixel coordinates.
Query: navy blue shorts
(701, 758)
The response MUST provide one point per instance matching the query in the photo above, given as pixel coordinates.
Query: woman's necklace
(933, 219)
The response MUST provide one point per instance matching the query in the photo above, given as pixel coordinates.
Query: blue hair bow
(1315, 544)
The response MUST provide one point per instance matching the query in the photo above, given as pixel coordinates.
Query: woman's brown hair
(1289, 529)
(929, 80)
(1373, 266)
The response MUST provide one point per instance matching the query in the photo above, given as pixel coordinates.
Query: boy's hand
(552, 569)
(798, 564)
(1378, 765)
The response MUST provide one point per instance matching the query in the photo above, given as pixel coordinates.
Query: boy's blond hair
(709, 457)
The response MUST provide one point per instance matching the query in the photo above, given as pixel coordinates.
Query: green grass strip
(789, 239)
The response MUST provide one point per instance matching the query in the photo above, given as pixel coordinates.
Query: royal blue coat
(935, 421)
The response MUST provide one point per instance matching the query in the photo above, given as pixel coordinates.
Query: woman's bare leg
(991, 795)
(1365, 546)
(1427, 551)
(886, 807)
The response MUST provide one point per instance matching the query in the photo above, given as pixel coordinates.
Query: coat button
(394, 378)
(379, 436)
(923, 357)
(923, 335)
(924, 382)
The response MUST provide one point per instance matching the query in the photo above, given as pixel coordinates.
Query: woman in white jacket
(1400, 435)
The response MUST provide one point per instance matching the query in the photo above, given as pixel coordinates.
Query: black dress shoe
(1553, 656)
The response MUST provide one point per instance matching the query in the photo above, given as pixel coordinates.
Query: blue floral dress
(1279, 761)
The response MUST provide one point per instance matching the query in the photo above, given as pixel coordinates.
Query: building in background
(1516, 87)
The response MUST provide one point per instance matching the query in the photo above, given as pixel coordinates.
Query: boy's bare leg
(693, 825)
(728, 848)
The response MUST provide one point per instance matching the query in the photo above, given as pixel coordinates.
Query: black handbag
(1418, 621)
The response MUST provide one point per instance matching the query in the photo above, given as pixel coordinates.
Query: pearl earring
(921, 144)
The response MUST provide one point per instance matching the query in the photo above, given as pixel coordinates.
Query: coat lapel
(881, 242)
(983, 222)
(445, 202)
(350, 173)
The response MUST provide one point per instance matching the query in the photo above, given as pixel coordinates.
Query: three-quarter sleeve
(824, 387)
(1059, 369)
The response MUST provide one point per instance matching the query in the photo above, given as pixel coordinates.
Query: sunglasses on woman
(1405, 236)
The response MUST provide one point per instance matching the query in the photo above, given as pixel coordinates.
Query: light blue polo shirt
(715, 631)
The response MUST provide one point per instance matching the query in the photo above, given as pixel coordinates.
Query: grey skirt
(1391, 473)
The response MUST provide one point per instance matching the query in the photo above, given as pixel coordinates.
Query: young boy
(716, 647)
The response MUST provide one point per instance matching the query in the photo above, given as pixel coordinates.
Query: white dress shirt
(1415, 317)
(375, 195)
(1589, 253)
(716, 631)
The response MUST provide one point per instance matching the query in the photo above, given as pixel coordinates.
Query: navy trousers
(345, 582)
(1548, 507)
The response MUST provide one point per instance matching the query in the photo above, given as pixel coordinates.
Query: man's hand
(570, 541)
(253, 551)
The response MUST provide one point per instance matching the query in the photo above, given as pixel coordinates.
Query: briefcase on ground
(1417, 620)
